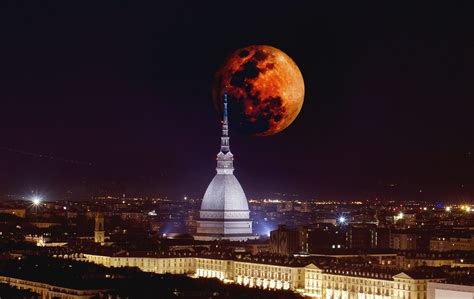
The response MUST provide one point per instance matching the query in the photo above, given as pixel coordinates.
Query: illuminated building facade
(300, 276)
(15, 212)
(452, 243)
(404, 240)
(450, 291)
(224, 212)
(50, 291)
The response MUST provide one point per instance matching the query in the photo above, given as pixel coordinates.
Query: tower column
(99, 231)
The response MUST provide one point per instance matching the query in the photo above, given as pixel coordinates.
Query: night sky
(116, 96)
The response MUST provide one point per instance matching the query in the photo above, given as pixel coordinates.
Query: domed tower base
(233, 230)
(236, 238)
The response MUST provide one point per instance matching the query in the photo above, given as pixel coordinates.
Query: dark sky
(126, 86)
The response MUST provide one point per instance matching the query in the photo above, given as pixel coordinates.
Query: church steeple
(225, 157)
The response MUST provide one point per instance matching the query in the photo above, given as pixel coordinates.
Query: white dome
(224, 193)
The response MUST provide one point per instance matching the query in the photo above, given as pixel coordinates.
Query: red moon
(265, 89)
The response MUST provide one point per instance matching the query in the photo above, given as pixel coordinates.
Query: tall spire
(225, 128)
(225, 157)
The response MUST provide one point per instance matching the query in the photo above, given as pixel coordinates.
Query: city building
(452, 243)
(322, 236)
(450, 291)
(285, 241)
(413, 259)
(408, 240)
(270, 272)
(382, 237)
(224, 212)
(15, 212)
(257, 247)
(50, 291)
(361, 236)
(405, 219)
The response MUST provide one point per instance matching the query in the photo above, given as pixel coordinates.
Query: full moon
(265, 89)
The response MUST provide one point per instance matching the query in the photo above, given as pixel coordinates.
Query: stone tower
(99, 232)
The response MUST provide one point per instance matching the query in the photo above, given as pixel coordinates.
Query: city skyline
(283, 149)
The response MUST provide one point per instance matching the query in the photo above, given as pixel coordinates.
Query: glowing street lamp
(399, 216)
(36, 200)
(342, 220)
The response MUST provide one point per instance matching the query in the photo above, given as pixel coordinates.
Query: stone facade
(306, 279)
(49, 291)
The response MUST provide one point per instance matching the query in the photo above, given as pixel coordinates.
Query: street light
(342, 219)
(36, 200)
(400, 216)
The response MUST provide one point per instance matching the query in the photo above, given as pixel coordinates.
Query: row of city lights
(37, 199)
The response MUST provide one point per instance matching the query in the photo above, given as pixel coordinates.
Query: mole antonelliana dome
(224, 193)
(224, 210)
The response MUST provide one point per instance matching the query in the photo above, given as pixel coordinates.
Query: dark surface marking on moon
(244, 53)
(249, 70)
(260, 55)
